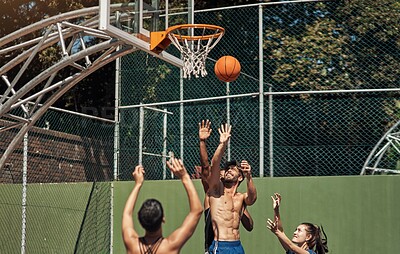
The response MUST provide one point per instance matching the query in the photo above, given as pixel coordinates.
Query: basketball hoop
(194, 41)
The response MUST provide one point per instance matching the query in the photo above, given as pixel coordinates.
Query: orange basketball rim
(194, 41)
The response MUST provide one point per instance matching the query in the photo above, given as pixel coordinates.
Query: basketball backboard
(134, 21)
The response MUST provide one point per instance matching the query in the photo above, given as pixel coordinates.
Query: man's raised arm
(178, 238)
(225, 134)
(128, 231)
(251, 195)
(204, 134)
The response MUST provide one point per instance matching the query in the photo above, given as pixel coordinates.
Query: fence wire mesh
(62, 211)
(299, 127)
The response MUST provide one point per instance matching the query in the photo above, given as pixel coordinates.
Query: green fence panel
(348, 207)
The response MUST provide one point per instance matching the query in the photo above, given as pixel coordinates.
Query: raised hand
(204, 130)
(138, 174)
(246, 168)
(276, 201)
(176, 166)
(272, 225)
(197, 173)
(224, 132)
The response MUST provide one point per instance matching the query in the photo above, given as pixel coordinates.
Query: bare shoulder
(132, 246)
(168, 246)
(240, 195)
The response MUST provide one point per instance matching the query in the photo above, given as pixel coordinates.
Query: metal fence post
(117, 116)
(24, 190)
(141, 122)
(164, 152)
(181, 115)
(228, 118)
(261, 88)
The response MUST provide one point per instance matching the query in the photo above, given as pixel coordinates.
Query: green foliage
(349, 45)
(49, 56)
(316, 60)
(155, 75)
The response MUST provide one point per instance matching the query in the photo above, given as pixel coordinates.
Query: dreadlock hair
(320, 243)
(151, 215)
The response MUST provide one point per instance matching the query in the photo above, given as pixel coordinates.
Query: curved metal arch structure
(384, 157)
(82, 44)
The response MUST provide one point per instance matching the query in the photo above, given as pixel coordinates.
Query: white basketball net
(194, 52)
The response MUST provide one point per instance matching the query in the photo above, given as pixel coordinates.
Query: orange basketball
(227, 68)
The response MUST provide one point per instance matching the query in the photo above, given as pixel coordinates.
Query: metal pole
(141, 122)
(111, 217)
(228, 118)
(271, 133)
(104, 13)
(257, 93)
(116, 145)
(181, 117)
(166, 14)
(117, 117)
(190, 11)
(24, 192)
(164, 152)
(261, 88)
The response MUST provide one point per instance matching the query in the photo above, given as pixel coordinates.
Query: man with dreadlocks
(307, 238)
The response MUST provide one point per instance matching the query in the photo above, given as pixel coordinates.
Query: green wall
(360, 214)
(60, 218)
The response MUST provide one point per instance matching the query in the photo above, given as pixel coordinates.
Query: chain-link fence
(55, 198)
(62, 147)
(304, 104)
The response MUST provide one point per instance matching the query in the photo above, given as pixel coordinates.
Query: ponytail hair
(317, 242)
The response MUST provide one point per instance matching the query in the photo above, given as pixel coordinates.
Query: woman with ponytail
(307, 238)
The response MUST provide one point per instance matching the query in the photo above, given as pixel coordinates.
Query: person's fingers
(169, 163)
(181, 163)
(175, 163)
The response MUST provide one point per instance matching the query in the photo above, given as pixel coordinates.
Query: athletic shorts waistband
(228, 243)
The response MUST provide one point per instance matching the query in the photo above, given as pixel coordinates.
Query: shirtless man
(151, 216)
(247, 222)
(226, 204)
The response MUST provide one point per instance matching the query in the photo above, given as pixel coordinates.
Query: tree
(331, 46)
(344, 45)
